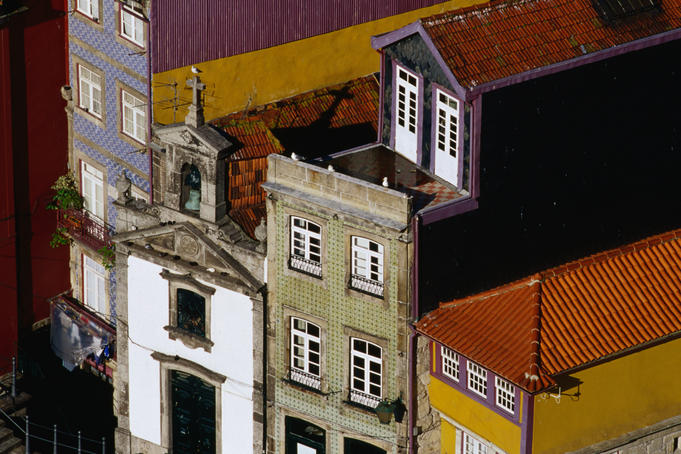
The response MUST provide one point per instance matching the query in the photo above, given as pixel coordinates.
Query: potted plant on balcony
(66, 197)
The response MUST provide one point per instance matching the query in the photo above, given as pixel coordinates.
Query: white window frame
(471, 445)
(92, 182)
(367, 265)
(89, 8)
(370, 392)
(89, 91)
(407, 99)
(306, 246)
(304, 346)
(477, 379)
(131, 26)
(407, 109)
(450, 363)
(94, 285)
(505, 394)
(133, 116)
(446, 137)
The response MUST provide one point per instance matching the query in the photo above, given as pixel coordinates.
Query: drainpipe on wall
(150, 110)
(416, 220)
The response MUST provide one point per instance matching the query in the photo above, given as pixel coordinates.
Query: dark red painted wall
(33, 153)
(190, 32)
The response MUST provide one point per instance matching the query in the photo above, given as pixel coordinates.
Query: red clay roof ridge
(609, 254)
(501, 290)
(480, 9)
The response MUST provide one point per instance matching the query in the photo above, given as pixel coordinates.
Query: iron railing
(57, 438)
(85, 227)
(366, 285)
(307, 266)
(365, 399)
(305, 378)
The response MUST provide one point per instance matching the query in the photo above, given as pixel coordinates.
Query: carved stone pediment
(188, 249)
(206, 139)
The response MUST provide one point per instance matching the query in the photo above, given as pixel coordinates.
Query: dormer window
(447, 137)
(407, 113)
(191, 188)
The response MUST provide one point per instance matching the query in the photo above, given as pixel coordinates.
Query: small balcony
(78, 335)
(365, 285)
(85, 227)
(305, 379)
(364, 399)
(306, 266)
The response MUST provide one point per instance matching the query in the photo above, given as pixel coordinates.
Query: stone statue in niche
(193, 182)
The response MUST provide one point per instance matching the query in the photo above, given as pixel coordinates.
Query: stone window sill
(189, 339)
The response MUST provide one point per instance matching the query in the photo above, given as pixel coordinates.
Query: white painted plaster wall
(231, 356)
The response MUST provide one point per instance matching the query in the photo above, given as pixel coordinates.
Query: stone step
(5, 433)
(8, 445)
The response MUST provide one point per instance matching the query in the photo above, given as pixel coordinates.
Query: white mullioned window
(505, 394)
(134, 116)
(407, 106)
(305, 352)
(472, 445)
(132, 26)
(93, 189)
(94, 294)
(366, 372)
(450, 363)
(306, 246)
(90, 91)
(477, 379)
(367, 265)
(447, 124)
(88, 7)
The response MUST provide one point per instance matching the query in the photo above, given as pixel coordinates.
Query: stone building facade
(191, 296)
(108, 120)
(337, 337)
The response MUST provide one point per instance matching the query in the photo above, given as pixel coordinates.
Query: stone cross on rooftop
(195, 114)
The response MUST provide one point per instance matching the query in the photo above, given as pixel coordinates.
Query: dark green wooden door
(193, 402)
(303, 437)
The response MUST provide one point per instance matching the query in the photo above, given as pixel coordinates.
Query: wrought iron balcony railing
(306, 266)
(305, 378)
(85, 227)
(365, 399)
(366, 285)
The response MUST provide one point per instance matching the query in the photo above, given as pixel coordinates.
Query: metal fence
(58, 440)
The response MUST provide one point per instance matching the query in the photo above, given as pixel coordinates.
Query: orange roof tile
(249, 217)
(499, 39)
(256, 133)
(532, 329)
(253, 138)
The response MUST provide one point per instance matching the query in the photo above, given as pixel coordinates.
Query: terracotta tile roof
(249, 217)
(253, 138)
(320, 119)
(568, 316)
(485, 43)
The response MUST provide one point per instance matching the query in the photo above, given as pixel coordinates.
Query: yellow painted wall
(256, 78)
(447, 438)
(615, 398)
(469, 413)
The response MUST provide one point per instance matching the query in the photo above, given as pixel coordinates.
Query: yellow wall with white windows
(477, 418)
(615, 398)
(259, 77)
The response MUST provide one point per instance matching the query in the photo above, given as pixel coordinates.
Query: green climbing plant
(66, 196)
(108, 254)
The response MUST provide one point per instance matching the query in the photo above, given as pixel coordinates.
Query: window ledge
(303, 387)
(189, 339)
(360, 407)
